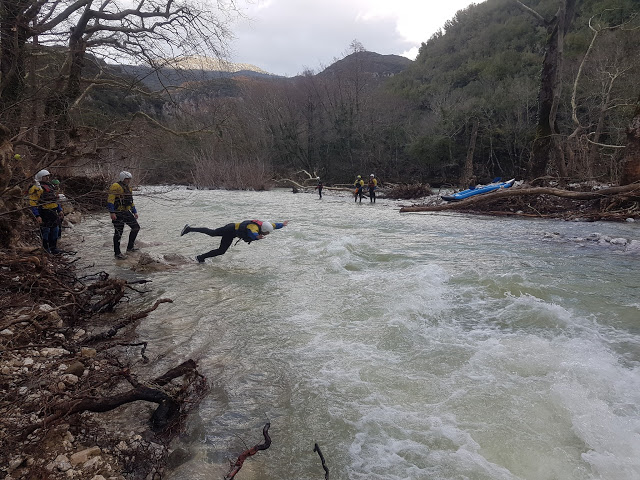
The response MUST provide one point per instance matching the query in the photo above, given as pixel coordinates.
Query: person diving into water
(249, 231)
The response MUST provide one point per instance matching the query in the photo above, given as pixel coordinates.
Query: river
(407, 346)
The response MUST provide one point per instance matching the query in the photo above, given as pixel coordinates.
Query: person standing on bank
(249, 231)
(319, 188)
(373, 184)
(359, 184)
(43, 201)
(123, 211)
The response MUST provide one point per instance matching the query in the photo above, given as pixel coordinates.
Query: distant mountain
(369, 62)
(197, 62)
(203, 69)
(190, 69)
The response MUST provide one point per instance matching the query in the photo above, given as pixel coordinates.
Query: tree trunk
(467, 171)
(549, 94)
(631, 170)
(594, 151)
(12, 63)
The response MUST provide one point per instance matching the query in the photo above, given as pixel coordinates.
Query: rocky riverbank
(78, 396)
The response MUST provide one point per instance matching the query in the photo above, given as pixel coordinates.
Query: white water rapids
(408, 346)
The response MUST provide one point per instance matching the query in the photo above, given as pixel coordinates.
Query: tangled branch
(248, 453)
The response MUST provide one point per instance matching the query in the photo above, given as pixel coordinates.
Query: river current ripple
(408, 346)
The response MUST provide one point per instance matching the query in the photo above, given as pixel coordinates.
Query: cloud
(286, 36)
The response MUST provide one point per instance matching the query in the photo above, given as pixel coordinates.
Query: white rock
(62, 463)
(80, 333)
(630, 220)
(6, 332)
(619, 241)
(53, 352)
(91, 462)
(633, 246)
(84, 455)
(27, 362)
(69, 379)
(88, 352)
(45, 307)
(15, 463)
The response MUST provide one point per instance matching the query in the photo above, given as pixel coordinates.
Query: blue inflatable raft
(478, 190)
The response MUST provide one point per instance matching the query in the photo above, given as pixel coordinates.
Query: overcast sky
(285, 37)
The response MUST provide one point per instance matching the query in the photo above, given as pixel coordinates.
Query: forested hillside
(497, 92)
(467, 107)
(478, 82)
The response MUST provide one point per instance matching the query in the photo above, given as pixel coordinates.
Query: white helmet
(41, 174)
(372, 175)
(124, 175)
(266, 227)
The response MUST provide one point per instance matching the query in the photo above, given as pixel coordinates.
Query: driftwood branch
(132, 318)
(630, 191)
(316, 448)
(252, 451)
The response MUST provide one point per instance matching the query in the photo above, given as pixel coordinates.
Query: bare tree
(70, 33)
(631, 172)
(546, 142)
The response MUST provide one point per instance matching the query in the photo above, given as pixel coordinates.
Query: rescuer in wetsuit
(359, 184)
(249, 231)
(123, 211)
(373, 185)
(43, 202)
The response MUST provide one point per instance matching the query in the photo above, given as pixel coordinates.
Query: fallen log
(631, 192)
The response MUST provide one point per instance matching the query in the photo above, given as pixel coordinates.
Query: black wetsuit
(125, 211)
(124, 217)
(228, 233)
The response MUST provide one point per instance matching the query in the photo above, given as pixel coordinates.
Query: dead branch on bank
(248, 453)
(168, 405)
(405, 192)
(613, 195)
(128, 321)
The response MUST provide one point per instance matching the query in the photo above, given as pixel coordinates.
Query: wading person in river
(359, 184)
(43, 201)
(249, 231)
(373, 185)
(123, 212)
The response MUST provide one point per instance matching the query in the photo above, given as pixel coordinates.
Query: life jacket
(123, 201)
(242, 231)
(48, 194)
